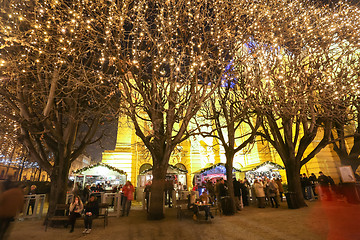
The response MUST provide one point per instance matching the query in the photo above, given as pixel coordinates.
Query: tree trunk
(59, 183)
(294, 184)
(230, 185)
(157, 192)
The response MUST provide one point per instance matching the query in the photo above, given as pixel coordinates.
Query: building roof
(269, 165)
(218, 166)
(170, 167)
(98, 165)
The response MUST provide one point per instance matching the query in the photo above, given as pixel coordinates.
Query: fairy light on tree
(172, 59)
(299, 66)
(54, 83)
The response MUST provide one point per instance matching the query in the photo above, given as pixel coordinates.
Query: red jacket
(128, 191)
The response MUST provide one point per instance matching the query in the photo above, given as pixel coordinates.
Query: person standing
(313, 181)
(278, 181)
(128, 191)
(91, 211)
(308, 189)
(237, 194)
(147, 191)
(245, 185)
(85, 193)
(222, 194)
(169, 188)
(324, 185)
(75, 209)
(32, 200)
(273, 193)
(11, 203)
(259, 193)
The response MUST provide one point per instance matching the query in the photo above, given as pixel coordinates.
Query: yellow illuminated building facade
(197, 152)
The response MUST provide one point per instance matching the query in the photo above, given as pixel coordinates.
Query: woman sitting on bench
(91, 212)
(76, 208)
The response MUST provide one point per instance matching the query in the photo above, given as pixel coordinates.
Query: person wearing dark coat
(169, 188)
(308, 189)
(324, 185)
(237, 193)
(147, 191)
(313, 181)
(91, 211)
(245, 185)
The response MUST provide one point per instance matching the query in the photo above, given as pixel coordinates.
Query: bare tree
(54, 82)
(345, 137)
(176, 54)
(231, 120)
(290, 58)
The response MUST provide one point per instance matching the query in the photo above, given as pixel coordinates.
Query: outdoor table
(202, 206)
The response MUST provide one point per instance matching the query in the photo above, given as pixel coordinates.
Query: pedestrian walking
(128, 191)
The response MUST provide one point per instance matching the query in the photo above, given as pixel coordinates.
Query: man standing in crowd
(237, 194)
(313, 181)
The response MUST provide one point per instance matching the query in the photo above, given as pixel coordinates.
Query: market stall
(100, 173)
(266, 169)
(212, 173)
(173, 173)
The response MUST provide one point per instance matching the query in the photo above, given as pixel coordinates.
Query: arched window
(144, 167)
(180, 166)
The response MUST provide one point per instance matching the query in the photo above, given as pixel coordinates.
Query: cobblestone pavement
(321, 220)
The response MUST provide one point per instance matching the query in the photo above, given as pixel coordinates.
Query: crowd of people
(322, 187)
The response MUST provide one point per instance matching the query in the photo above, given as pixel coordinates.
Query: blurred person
(32, 191)
(308, 189)
(281, 188)
(76, 207)
(169, 188)
(313, 181)
(237, 194)
(266, 184)
(85, 193)
(222, 193)
(259, 193)
(147, 191)
(11, 203)
(273, 193)
(211, 189)
(91, 211)
(324, 186)
(128, 191)
(192, 205)
(205, 199)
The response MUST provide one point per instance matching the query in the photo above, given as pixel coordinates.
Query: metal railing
(33, 206)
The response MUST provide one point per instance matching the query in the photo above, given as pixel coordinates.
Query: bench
(103, 213)
(61, 214)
